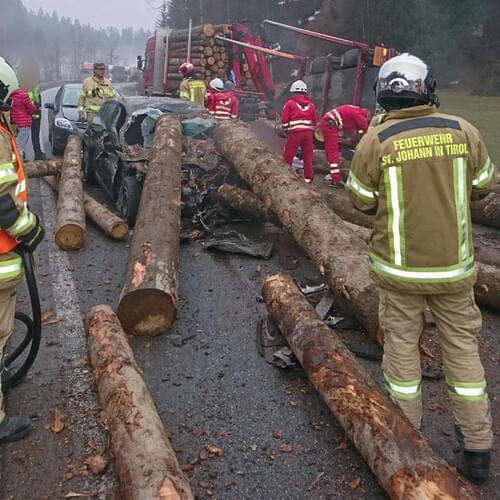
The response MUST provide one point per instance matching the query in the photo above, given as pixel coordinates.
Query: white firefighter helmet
(217, 84)
(298, 86)
(404, 81)
(8, 81)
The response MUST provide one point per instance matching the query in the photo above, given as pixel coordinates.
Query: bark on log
(148, 299)
(487, 210)
(338, 200)
(41, 168)
(246, 204)
(487, 287)
(400, 457)
(70, 222)
(339, 254)
(177, 61)
(145, 461)
(109, 222)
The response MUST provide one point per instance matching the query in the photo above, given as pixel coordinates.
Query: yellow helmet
(8, 82)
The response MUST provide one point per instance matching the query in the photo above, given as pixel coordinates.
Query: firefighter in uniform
(18, 226)
(341, 118)
(36, 99)
(191, 89)
(299, 119)
(416, 170)
(96, 90)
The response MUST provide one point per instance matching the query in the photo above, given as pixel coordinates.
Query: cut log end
(155, 314)
(70, 237)
(119, 230)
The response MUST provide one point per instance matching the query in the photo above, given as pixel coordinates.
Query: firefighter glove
(31, 240)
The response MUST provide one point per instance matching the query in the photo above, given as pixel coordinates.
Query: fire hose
(32, 337)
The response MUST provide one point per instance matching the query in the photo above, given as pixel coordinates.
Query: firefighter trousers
(458, 320)
(7, 312)
(303, 139)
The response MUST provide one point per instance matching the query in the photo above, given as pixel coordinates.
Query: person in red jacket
(221, 103)
(299, 120)
(345, 117)
(21, 115)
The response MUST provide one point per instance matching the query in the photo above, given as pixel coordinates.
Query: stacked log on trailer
(209, 55)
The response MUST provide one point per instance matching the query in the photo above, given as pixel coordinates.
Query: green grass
(483, 112)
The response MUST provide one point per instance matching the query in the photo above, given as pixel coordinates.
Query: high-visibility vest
(9, 172)
(35, 95)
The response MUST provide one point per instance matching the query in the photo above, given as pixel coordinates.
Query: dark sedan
(63, 116)
(116, 145)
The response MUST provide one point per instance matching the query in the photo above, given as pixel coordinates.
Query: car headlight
(63, 123)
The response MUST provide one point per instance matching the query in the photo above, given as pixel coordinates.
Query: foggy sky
(100, 13)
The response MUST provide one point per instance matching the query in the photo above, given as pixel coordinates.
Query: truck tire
(128, 199)
(350, 58)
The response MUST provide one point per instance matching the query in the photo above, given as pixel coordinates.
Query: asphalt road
(208, 381)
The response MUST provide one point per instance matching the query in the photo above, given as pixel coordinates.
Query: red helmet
(186, 68)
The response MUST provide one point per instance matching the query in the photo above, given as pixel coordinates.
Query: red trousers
(303, 139)
(332, 149)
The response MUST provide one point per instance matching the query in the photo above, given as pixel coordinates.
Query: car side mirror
(139, 62)
(49, 105)
(97, 124)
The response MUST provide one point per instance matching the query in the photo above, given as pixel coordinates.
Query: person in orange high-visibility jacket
(18, 227)
(299, 120)
(345, 117)
(222, 104)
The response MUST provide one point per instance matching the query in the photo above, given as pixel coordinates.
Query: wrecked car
(117, 143)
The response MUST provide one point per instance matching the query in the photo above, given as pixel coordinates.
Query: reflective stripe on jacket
(12, 183)
(94, 94)
(417, 169)
(193, 90)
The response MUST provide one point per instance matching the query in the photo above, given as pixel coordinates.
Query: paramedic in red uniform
(299, 120)
(222, 104)
(345, 117)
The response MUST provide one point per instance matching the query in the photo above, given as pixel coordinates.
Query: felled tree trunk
(145, 461)
(109, 222)
(246, 203)
(487, 287)
(41, 168)
(70, 223)
(321, 165)
(487, 210)
(148, 300)
(339, 254)
(400, 457)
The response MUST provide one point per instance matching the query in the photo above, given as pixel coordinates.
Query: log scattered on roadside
(41, 168)
(246, 203)
(109, 222)
(148, 299)
(487, 210)
(400, 457)
(146, 463)
(339, 254)
(487, 286)
(70, 222)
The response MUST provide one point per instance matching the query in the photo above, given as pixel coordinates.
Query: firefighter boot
(14, 428)
(475, 465)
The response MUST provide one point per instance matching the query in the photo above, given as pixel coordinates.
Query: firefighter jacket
(15, 217)
(193, 90)
(298, 114)
(94, 94)
(223, 105)
(416, 170)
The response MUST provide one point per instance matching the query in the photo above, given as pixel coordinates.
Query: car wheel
(87, 170)
(128, 199)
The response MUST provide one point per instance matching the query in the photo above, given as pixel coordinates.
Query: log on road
(41, 168)
(487, 210)
(400, 457)
(109, 222)
(70, 222)
(148, 299)
(339, 254)
(145, 461)
(246, 203)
